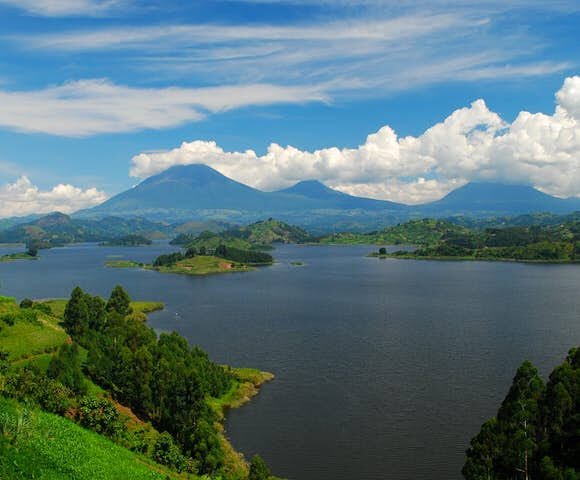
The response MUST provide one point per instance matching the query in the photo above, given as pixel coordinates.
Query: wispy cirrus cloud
(64, 8)
(95, 106)
(370, 56)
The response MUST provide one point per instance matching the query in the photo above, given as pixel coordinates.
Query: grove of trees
(536, 432)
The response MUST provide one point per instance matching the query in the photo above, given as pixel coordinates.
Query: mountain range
(198, 192)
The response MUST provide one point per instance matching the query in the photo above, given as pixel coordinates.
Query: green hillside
(415, 232)
(271, 231)
(44, 446)
(256, 236)
(88, 390)
(59, 229)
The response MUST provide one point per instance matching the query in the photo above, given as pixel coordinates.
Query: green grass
(198, 265)
(204, 265)
(57, 306)
(28, 337)
(49, 447)
(123, 264)
(17, 256)
(147, 307)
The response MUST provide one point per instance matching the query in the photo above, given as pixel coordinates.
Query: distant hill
(481, 199)
(6, 223)
(271, 231)
(325, 197)
(415, 232)
(198, 193)
(58, 229)
(258, 235)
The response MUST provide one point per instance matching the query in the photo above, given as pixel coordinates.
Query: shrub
(100, 415)
(26, 303)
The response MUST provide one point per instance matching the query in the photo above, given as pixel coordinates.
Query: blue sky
(91, 91)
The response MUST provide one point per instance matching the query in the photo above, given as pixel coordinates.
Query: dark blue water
(384, 368)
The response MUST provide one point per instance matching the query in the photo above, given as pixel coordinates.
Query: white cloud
(22, 198)
(62, 8)
(90, 107)
(473, 143)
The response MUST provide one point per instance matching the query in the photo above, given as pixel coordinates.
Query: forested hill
(415, 232)
(271, 231)
(550, 243)
(58, 229)
(256, 235)
(536, 432)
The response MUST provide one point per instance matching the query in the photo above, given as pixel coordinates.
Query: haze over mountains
(198, 192)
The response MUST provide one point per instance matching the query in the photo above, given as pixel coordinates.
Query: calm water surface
(384, 368)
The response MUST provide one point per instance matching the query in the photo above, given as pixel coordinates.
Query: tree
(26, 303)
(65, 367)
(97, 312)
(119, 301)
(483, 453)
(32, 248)
(519, 418)
(76, 314)
(258, 469)
(166, 452)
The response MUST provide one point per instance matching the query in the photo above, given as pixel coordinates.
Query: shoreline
(248, 384)
(472, 259)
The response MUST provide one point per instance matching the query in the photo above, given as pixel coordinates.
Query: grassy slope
(25, 338)
(51, 447)
(40, 455)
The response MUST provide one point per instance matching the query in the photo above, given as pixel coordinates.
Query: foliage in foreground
(173, 388)
(40, 445)
(536, 432)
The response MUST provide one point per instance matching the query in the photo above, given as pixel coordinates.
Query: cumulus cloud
(23, 197)
(473, 143)
(94, 106)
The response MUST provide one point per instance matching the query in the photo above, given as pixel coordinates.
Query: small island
(31, 253)
(17, 256)
(127, 241)
(204, 261)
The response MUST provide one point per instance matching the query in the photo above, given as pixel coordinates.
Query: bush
(31, 384)
(100, 415)
(166, 452)
(26, 303)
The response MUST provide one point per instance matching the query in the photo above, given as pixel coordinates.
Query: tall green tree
(519, 418)
(76, 314)
(119, 301)
(258, 469)
(65, 367)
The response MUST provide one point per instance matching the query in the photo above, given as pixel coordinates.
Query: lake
(384, 368)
